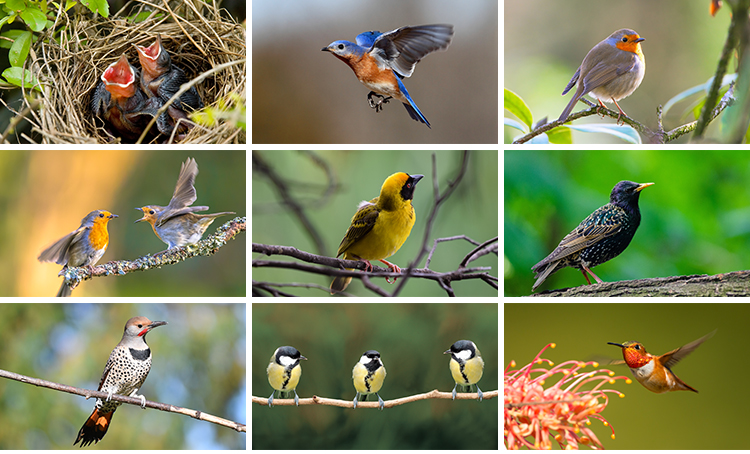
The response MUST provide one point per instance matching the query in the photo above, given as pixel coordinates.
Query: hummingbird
(654, 372)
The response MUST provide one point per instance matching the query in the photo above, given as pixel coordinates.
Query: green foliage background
(694, 218)
(713, 419)
(411, 339)
(198, 362)
(472, 210)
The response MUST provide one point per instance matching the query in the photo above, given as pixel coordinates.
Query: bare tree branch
(87, 393)
(297, 209)
(434, 394)
(337, 267)
(439, 200)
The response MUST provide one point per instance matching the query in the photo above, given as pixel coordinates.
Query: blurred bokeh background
(678, 420)
(303, 95)
(695, 218)
(45, 194)
(199, 362)
(411, 339)
(331, 184)
(682, 49)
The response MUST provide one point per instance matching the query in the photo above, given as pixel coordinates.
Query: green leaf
(560, 135)
(97, 6)
(15, 5)
(20, 49)
(515, 105)
(12, 35)
(14, 75)
(34, 18)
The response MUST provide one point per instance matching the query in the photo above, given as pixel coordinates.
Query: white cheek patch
(364, 360)
(463, 355)
(286, 361)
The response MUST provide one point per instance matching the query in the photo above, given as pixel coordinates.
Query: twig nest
(71, 57)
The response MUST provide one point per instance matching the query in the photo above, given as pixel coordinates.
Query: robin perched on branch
(81, 247)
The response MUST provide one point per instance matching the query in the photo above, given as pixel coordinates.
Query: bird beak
(446, 352)
(641, 187)
(141, 219)
(640, 39)
(155, 324)
(112, 216)
(302, 357)
(619, 345)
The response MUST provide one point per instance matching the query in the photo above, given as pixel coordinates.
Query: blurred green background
(330, 185)
(715, 418)
(303, 95)
(45, 194)
(694, 218)
(682, 49)
(199, 362)
(411, 339)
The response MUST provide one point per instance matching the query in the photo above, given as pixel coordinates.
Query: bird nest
(69, 59)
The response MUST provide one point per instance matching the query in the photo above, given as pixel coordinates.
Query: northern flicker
(126, 370)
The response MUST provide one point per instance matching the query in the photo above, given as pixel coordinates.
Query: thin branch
(434, 394)
(736, 27)
(439, 200)
(296, 209)
(208, 246)
(87, 393)
(450, 238)
(333, 267)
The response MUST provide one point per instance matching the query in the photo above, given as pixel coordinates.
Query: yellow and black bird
(284, 372)
(466, 365)
(380, 227)
(368, 375)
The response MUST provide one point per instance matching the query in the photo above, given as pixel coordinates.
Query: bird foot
(394, 269)
(377, 105)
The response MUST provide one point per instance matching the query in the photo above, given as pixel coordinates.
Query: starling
(600, 237)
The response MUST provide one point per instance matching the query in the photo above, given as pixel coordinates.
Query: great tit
(368, 375)
(466, 365)
(284, 372)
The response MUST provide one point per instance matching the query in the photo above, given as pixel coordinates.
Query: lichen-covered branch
(207, 246)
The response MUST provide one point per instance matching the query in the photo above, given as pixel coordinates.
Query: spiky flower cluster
(533, 413)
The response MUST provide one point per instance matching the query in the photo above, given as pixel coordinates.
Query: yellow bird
(380, 226)
(466, 365)
(284, 371)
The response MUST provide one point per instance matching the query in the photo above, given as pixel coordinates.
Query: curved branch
(434, 394)
(87, 393)
(207, 246)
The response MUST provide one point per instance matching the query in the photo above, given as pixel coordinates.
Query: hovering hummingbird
(654, 372)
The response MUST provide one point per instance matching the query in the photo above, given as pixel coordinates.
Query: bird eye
(151, 212)
(340, 46)
(637, 347)
(624, 39)
(101, 215)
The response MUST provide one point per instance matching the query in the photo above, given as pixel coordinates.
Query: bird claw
(377, 105)
(394, 269)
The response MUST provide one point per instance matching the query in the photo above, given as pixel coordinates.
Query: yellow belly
(281, 379)
(471, 373)
(386, 237)
(362, 379)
